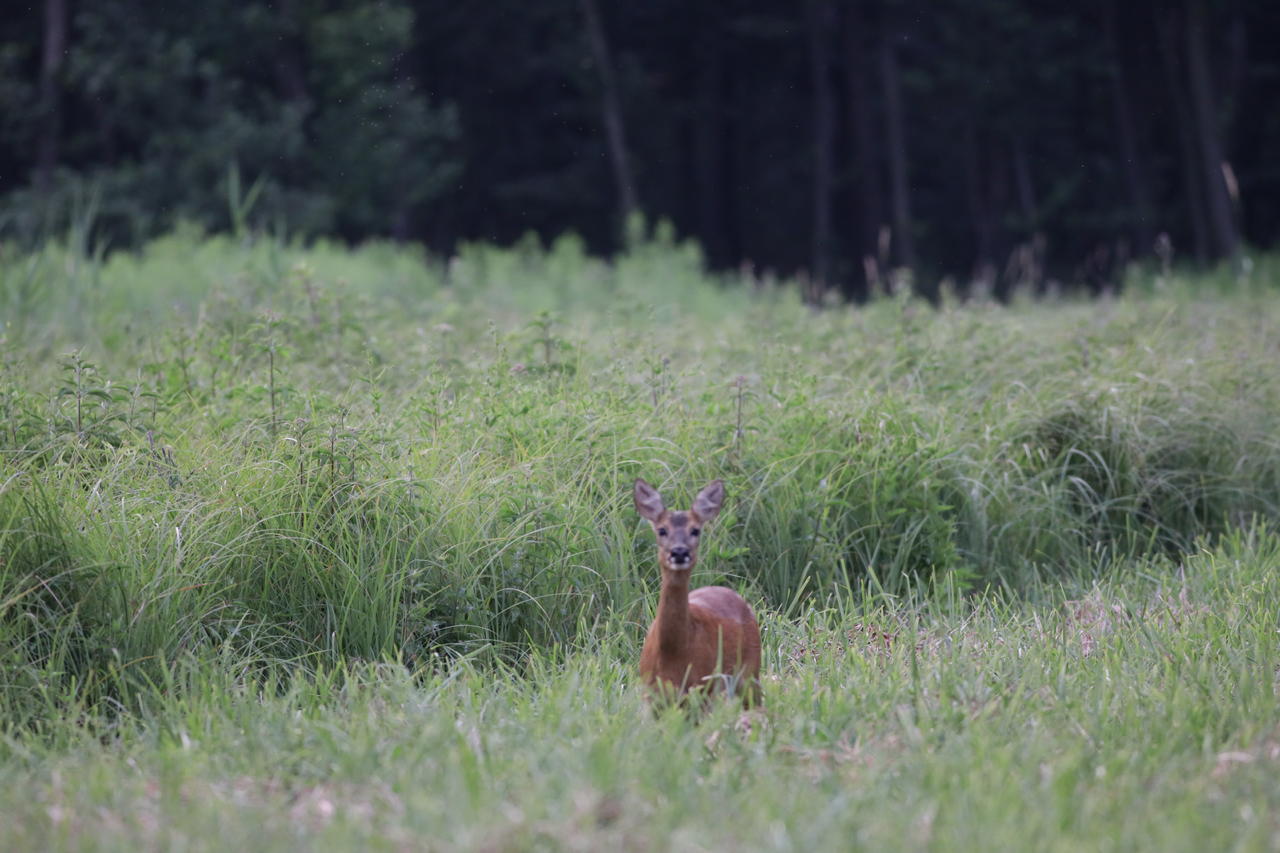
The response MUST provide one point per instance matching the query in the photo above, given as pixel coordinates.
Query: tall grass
(297, 456)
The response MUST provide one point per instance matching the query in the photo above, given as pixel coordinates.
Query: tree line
(997, 141)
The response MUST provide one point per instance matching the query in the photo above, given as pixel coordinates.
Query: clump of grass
(55, 611)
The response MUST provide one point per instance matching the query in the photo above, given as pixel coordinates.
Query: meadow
(305, 546)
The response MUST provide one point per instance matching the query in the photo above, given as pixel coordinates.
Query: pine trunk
(1222, 226)
(895, 138)
(820, 19)
(49, 138)
(611, 110)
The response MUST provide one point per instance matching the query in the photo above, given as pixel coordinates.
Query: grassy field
(314, 547)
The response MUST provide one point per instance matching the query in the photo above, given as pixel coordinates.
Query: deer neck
(673, 611)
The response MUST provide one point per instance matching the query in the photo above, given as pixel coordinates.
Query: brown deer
(706, 640)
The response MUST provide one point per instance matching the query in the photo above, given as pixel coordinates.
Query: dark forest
(986, 140)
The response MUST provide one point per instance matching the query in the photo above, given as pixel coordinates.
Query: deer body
(707, 639)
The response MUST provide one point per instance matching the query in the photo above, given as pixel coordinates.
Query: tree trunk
(1221, 218)
(1025, 185)
(820, 18)
(611, 110)
(1135, 176)
(291, 75)
(869, 187)
(54, 51)
(979, 210)
(1167, 25)
(731, 173)
(895, 139)
(1237, 70)
(1000, 191)
(709, 155)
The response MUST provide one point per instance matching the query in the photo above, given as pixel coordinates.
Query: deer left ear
(707, 503)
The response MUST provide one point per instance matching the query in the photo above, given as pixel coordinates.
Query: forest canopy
(986, 139)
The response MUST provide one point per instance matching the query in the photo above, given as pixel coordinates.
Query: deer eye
(694, 532)
(662, 531)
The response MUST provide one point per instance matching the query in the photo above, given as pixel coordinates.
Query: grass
(1142, 714)
(324, 547)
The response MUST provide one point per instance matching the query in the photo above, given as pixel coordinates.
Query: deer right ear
(707, 503)
(648, 501)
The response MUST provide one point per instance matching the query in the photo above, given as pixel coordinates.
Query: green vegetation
(305, 545)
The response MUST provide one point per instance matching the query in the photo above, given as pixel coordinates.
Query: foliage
(181, 114)
(1041, 142)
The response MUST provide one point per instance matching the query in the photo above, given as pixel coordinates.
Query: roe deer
(707, 639)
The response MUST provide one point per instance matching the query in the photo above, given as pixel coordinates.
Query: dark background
(991, 140)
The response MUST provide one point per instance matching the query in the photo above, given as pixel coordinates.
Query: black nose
(679, 553)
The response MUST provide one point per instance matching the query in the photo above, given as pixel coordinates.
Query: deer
(705, 641)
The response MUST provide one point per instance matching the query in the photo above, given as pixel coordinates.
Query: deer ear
(648, 501)
(707, 503)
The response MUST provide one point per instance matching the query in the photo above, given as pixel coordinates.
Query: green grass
(324, 547)
(1142, 714)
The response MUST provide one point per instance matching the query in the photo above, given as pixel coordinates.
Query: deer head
(678, 531)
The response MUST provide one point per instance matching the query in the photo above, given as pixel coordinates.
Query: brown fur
(705, 640)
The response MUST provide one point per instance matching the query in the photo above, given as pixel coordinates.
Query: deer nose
(680, 554)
